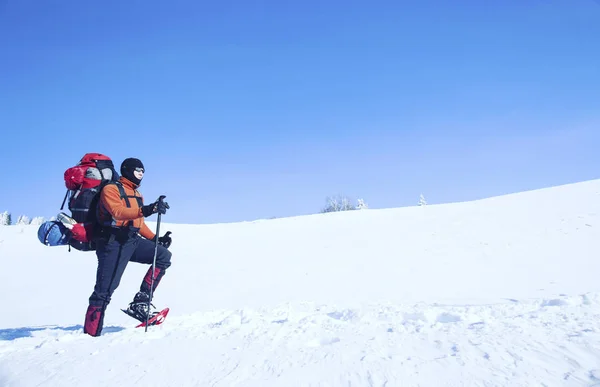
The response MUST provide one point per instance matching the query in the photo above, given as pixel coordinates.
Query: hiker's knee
(163, 259)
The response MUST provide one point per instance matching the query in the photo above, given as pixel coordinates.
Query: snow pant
(114, 249)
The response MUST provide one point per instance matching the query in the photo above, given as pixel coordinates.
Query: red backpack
(84, 182)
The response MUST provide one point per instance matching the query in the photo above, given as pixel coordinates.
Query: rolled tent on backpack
(53, 233)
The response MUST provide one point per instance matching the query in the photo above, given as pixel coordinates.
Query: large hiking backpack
(84, 182)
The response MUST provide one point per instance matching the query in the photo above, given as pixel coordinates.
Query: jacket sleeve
(111, 199)
(146, 232)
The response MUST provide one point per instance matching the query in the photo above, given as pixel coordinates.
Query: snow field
(496, 292)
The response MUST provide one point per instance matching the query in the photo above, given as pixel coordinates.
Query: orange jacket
(113, 208)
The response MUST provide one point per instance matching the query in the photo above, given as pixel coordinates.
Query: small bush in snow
(337, 203)
(361, 205)
(422, 201)
(343, 203)
(23, 219)
(38, 220)
(5, 219)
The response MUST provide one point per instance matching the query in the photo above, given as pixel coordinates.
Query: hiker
(121, 213)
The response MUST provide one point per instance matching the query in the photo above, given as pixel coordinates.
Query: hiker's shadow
(18, 333)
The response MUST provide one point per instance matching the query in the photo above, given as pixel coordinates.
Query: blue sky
(243, 110)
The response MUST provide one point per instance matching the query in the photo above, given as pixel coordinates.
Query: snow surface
(496, 292)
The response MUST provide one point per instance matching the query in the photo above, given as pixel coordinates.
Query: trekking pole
(154, 262)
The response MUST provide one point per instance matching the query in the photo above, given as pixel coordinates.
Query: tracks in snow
(541, 342)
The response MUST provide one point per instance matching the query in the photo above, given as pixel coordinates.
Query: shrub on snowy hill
(23, 220)
(343, 203)
(5, 219)
(361, 205)
(38, 220)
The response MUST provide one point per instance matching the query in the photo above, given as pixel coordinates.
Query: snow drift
(501, 291)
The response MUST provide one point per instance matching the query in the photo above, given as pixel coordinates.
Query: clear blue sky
(251, 109)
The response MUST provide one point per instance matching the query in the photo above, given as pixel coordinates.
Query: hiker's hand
(165, 240)
(158, 206)
(148, 210)
(161, 207)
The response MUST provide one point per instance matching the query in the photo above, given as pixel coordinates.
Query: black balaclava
(128, 166)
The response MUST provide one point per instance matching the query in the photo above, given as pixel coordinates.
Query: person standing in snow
(121, 213)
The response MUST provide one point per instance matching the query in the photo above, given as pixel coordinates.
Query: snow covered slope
(500, 292)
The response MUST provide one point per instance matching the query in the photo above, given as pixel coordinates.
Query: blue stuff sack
(53, 233)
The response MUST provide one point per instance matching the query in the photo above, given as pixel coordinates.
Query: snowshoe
(138, 308)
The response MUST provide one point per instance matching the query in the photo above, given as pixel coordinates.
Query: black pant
(114, 251)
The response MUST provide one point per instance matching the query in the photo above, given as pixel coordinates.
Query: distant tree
(5, 219)
(23, 220)
(422, 201)
(361, 205)
(337, 204)
(38, 220)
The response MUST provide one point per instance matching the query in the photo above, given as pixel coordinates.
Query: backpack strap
(126, 197)
(65, 200)
(123, 194)
(139, 200)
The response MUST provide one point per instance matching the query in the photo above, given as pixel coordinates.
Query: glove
(158, 206)
(162, 207)
(165, 240)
